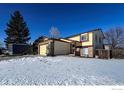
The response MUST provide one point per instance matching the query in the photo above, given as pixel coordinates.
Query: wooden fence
(114, 53)
(118, 53)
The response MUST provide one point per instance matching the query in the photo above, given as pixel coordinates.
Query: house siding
(92, 44)
(96, 40)
(76, 38)
(53, 47)
(90, 40)
(88, 45)
(84, 43)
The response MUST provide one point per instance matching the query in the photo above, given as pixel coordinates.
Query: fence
(114, 53)
(118, 53)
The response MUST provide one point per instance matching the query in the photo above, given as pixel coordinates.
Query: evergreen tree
(17, 31)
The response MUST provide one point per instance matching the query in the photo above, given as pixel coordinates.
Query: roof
(66, 39)
(61, 40)
(18, 44)
(86, 32)
(108, 44)
(55, 40)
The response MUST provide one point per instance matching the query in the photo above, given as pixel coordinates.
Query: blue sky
(68, 18)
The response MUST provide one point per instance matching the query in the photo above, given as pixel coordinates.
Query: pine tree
(17, 31)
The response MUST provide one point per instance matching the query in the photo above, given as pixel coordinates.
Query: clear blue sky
(68, 18)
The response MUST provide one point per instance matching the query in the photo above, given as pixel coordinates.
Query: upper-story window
(96, 38)
(84, 37)
(100, 40)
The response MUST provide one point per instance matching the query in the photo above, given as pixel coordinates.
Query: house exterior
(89, 42)
(18, 49)
(83, 44)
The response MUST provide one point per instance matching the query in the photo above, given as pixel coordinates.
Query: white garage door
(43, 49)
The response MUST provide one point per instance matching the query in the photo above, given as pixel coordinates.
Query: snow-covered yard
(61, 70)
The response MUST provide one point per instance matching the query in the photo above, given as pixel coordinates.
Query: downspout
(52, 47)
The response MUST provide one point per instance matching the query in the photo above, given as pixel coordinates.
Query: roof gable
(85, 32)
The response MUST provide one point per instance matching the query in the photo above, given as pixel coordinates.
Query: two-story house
(83, 44)
(89, 42)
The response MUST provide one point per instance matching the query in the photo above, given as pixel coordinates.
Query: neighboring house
(83, 44)
(107, 46)
(2, 50)
(18, 49)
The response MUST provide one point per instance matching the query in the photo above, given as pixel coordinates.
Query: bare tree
(54, 32)
(115, 37)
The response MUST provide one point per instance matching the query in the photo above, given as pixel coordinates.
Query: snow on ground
(61, 70)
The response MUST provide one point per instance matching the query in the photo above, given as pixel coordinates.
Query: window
(100, 41)
(77, 49)
(84, 37)
(96, 38)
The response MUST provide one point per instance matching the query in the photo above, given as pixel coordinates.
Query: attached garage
(43, 49)
(53, 47)
(61, 48)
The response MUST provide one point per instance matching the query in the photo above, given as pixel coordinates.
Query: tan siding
(45, 42)
(61, 48)
(86, 43)
(90, 40)
(76, 38)
(66, 40)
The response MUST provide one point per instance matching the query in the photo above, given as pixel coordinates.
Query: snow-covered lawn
(61, 70)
